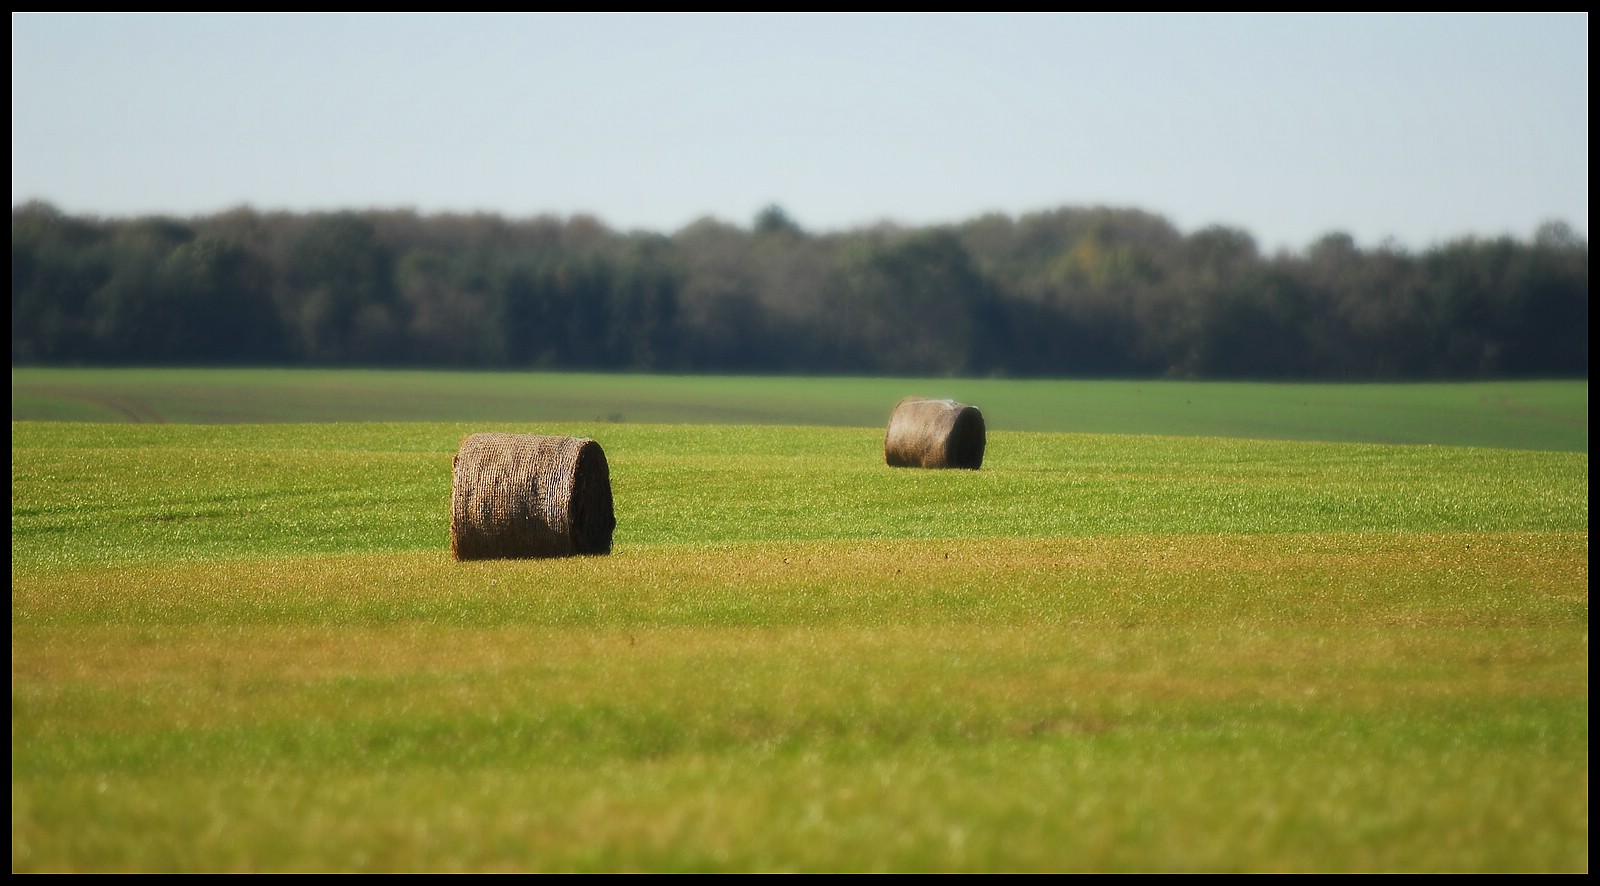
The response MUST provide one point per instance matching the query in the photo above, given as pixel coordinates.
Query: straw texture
(926, 433)
(526, 495)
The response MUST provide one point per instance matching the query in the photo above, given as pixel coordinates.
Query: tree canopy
(1086, 291)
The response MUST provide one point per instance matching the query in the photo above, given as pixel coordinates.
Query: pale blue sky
(1416, 128)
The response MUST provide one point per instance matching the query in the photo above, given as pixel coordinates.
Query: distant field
(1519, 415)
(1348, 635)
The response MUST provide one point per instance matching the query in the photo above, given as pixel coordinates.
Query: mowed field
(1166, 627)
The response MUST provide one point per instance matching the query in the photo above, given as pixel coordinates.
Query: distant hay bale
(525, 495)
(926, 433)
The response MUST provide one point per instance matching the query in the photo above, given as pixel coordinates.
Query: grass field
(1552, 415)
(1350, 636)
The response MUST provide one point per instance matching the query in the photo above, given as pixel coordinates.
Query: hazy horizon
(1411, 128)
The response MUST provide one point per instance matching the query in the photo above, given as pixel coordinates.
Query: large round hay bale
(926, 433)
(526, 495)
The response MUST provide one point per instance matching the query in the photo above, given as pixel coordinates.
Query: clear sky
(1418, 129)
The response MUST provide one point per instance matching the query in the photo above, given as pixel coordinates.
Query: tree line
(1073, 292)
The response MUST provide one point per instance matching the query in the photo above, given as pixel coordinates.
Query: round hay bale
(526, 495)
(926, 433)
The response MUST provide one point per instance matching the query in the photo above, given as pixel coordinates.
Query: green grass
(1550, 415)
(244, 647)
(105, 494)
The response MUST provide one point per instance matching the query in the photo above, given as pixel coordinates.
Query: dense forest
(1074, 292)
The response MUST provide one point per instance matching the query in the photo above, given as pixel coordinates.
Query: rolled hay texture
(926, 433)
(527, 495)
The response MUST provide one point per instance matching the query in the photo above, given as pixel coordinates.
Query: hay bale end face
(926, 433)
(526, 495)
